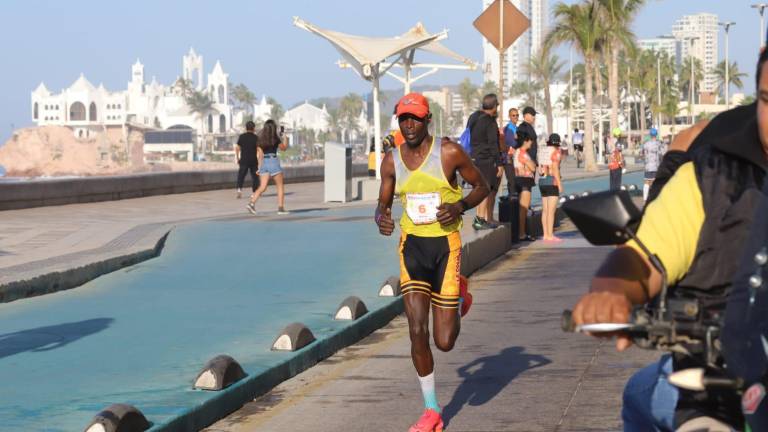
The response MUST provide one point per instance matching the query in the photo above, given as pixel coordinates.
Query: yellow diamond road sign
(515, 23)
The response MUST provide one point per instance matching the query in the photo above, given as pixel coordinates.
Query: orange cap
(413, 103)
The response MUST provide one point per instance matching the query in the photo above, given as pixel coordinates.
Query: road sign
(514, 24)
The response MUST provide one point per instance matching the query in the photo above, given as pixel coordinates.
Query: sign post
(501, 24)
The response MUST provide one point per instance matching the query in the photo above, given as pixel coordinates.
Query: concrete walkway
(43, 240)
(512, 368)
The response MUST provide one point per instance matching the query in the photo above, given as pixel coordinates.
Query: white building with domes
(86, 108)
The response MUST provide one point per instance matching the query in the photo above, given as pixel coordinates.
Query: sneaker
(464, 295)
(430, 421)
(282, 211)
(239, 194)
(251, 208)
(479, 223)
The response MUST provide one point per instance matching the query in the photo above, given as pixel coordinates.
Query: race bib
(422, 207)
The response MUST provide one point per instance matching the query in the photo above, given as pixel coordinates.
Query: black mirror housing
(604, 218)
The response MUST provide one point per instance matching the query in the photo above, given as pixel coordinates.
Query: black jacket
(484, 136)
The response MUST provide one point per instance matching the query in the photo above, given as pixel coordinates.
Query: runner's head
(413, 117)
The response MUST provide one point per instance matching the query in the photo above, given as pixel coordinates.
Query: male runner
(423, 173)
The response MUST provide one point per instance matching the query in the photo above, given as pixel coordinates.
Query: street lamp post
(727, 26)
(761, 8)
(658, 90)
(693, 77)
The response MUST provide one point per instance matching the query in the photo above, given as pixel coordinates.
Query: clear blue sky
(54, 41)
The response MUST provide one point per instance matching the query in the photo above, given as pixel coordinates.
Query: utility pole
(500, 116)
(658, 88)
(570, 90)
(727, 26)
(693, 77)
(761, 8)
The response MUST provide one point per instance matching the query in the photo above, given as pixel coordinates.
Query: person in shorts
(525, 171)
(652, 152)
(550, 185)
(578, 147)
(269, 166)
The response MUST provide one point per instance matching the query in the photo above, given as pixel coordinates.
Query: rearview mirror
(604, 217)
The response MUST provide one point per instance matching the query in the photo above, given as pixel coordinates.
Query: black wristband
(464, 205)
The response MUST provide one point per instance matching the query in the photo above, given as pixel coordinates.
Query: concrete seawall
(40, 193)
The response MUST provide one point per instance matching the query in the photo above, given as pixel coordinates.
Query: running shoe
(282, 211)
(251, 208)
(430, 421)
(479, 223)
(239, 194)
(465, 295)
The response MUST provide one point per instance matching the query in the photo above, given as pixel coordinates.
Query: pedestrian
(652, 157)
(578, 147)
(484, 149)
(550, 185)
(245, 155)
(529, 129)
(616, 162)
(372, 159)
(423, 173)
(510, 140)
(269, 167)
(525, 170)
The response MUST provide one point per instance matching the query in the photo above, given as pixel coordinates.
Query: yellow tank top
(421, 191)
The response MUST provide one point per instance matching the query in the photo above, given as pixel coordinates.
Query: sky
(54, 41)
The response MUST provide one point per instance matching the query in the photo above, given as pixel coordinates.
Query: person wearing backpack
(484, 151)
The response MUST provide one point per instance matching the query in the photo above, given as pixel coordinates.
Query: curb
(73, 277)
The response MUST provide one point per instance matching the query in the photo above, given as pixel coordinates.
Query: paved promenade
(512, 368)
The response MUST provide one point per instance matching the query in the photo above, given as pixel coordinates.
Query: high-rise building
(519, 53)
(703, 27)
(666, 44)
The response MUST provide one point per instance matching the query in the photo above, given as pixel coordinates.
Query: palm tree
(685, 80)
(469, 93)
(734, 77)
(200, 103)
(488, 88)
(334, 121)
(349, 109)
(244, 97)
(545, 68)
(529, 90)
(578, 24)
(277, 111)
(616, 17)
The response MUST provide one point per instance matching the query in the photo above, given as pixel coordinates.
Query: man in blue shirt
(510, 139)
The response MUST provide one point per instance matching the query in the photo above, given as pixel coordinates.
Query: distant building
(704, 27)
(306, 116)
(666, 44)
(518, 55)
(86, 108)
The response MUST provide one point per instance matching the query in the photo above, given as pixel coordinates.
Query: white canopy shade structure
(367, 56)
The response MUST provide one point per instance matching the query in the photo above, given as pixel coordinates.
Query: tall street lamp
(761, 8)
(691, 58)
(727, 26)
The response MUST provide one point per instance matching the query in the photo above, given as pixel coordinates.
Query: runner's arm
(383, 215)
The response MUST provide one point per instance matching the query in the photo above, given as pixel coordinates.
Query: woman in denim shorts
(269, 166)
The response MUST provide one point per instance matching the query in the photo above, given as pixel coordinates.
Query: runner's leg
(264, 180)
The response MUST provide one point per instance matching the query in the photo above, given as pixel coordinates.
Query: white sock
(646, 189)
(428, 391)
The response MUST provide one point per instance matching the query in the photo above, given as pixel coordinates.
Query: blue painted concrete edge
(232, 398)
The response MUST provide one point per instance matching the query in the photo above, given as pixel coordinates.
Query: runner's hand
(449, 213)
(605, 307)
(499, 171)
(385, 222)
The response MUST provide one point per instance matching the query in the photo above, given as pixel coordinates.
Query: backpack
(466, 136)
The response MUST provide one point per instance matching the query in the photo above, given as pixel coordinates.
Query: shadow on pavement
(491, 374)
(50, 337)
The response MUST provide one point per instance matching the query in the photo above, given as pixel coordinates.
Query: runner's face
(762, 108)
(414, 129)
(514, 116)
